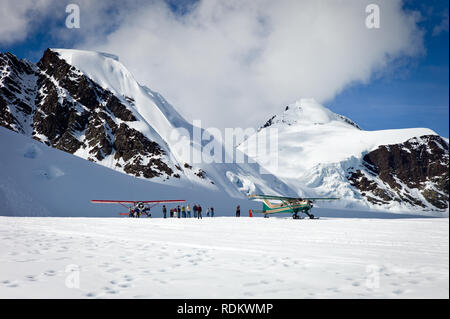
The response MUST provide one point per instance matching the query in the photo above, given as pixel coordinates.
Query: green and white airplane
(290, 205)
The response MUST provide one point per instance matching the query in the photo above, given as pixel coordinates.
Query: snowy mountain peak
(103, 68)
(308, 112)
(67, 54)
(88, 104)
(148, 106)
(321, 153)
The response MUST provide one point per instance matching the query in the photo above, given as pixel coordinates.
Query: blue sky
(418, 96)
(414, 95)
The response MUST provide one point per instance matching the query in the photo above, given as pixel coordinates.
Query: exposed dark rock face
(415, 172)
(200, 173)
(348, 121)
(270, 121)
(56, 104)
(17, 89)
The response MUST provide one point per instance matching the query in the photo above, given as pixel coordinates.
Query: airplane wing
(321, 198)
(101, 201)
(256, 196)
(290, 198)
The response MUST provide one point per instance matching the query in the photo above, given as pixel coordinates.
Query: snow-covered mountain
(88, 104)
(321, 153)
(39, 180)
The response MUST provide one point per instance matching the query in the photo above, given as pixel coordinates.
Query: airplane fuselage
(291, 207)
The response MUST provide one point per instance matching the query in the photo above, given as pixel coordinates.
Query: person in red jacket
(199, 212)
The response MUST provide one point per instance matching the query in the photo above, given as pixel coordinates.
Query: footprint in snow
(50, 273)
(160, 280)
(113, 270)
(249, 284)
(397, 292)
(124, 285)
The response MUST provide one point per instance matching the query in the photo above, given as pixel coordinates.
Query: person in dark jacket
(212, 211)
(195, 208)
(178, 212)
(199, 212)
(171, 213)
(164, 210)
(238, 211)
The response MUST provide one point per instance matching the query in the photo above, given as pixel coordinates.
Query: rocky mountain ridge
(322, 153)
(58, 105)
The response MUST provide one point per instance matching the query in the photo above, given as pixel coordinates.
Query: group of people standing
(185, 211)
(179, 211)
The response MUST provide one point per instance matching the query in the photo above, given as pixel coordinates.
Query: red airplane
(137, 207)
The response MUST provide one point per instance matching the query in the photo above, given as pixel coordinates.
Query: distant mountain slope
(415, 172)
(88, 104)
(308, 112)
(321, 153)
(57, 104)
(38, 180)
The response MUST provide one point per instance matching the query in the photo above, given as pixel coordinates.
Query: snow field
(223, 257)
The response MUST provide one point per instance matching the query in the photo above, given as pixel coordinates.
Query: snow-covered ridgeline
(318, 148)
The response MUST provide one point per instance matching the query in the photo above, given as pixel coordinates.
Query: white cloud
(21, 18)
(17, 16)
(442, 26)
(234, 63)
